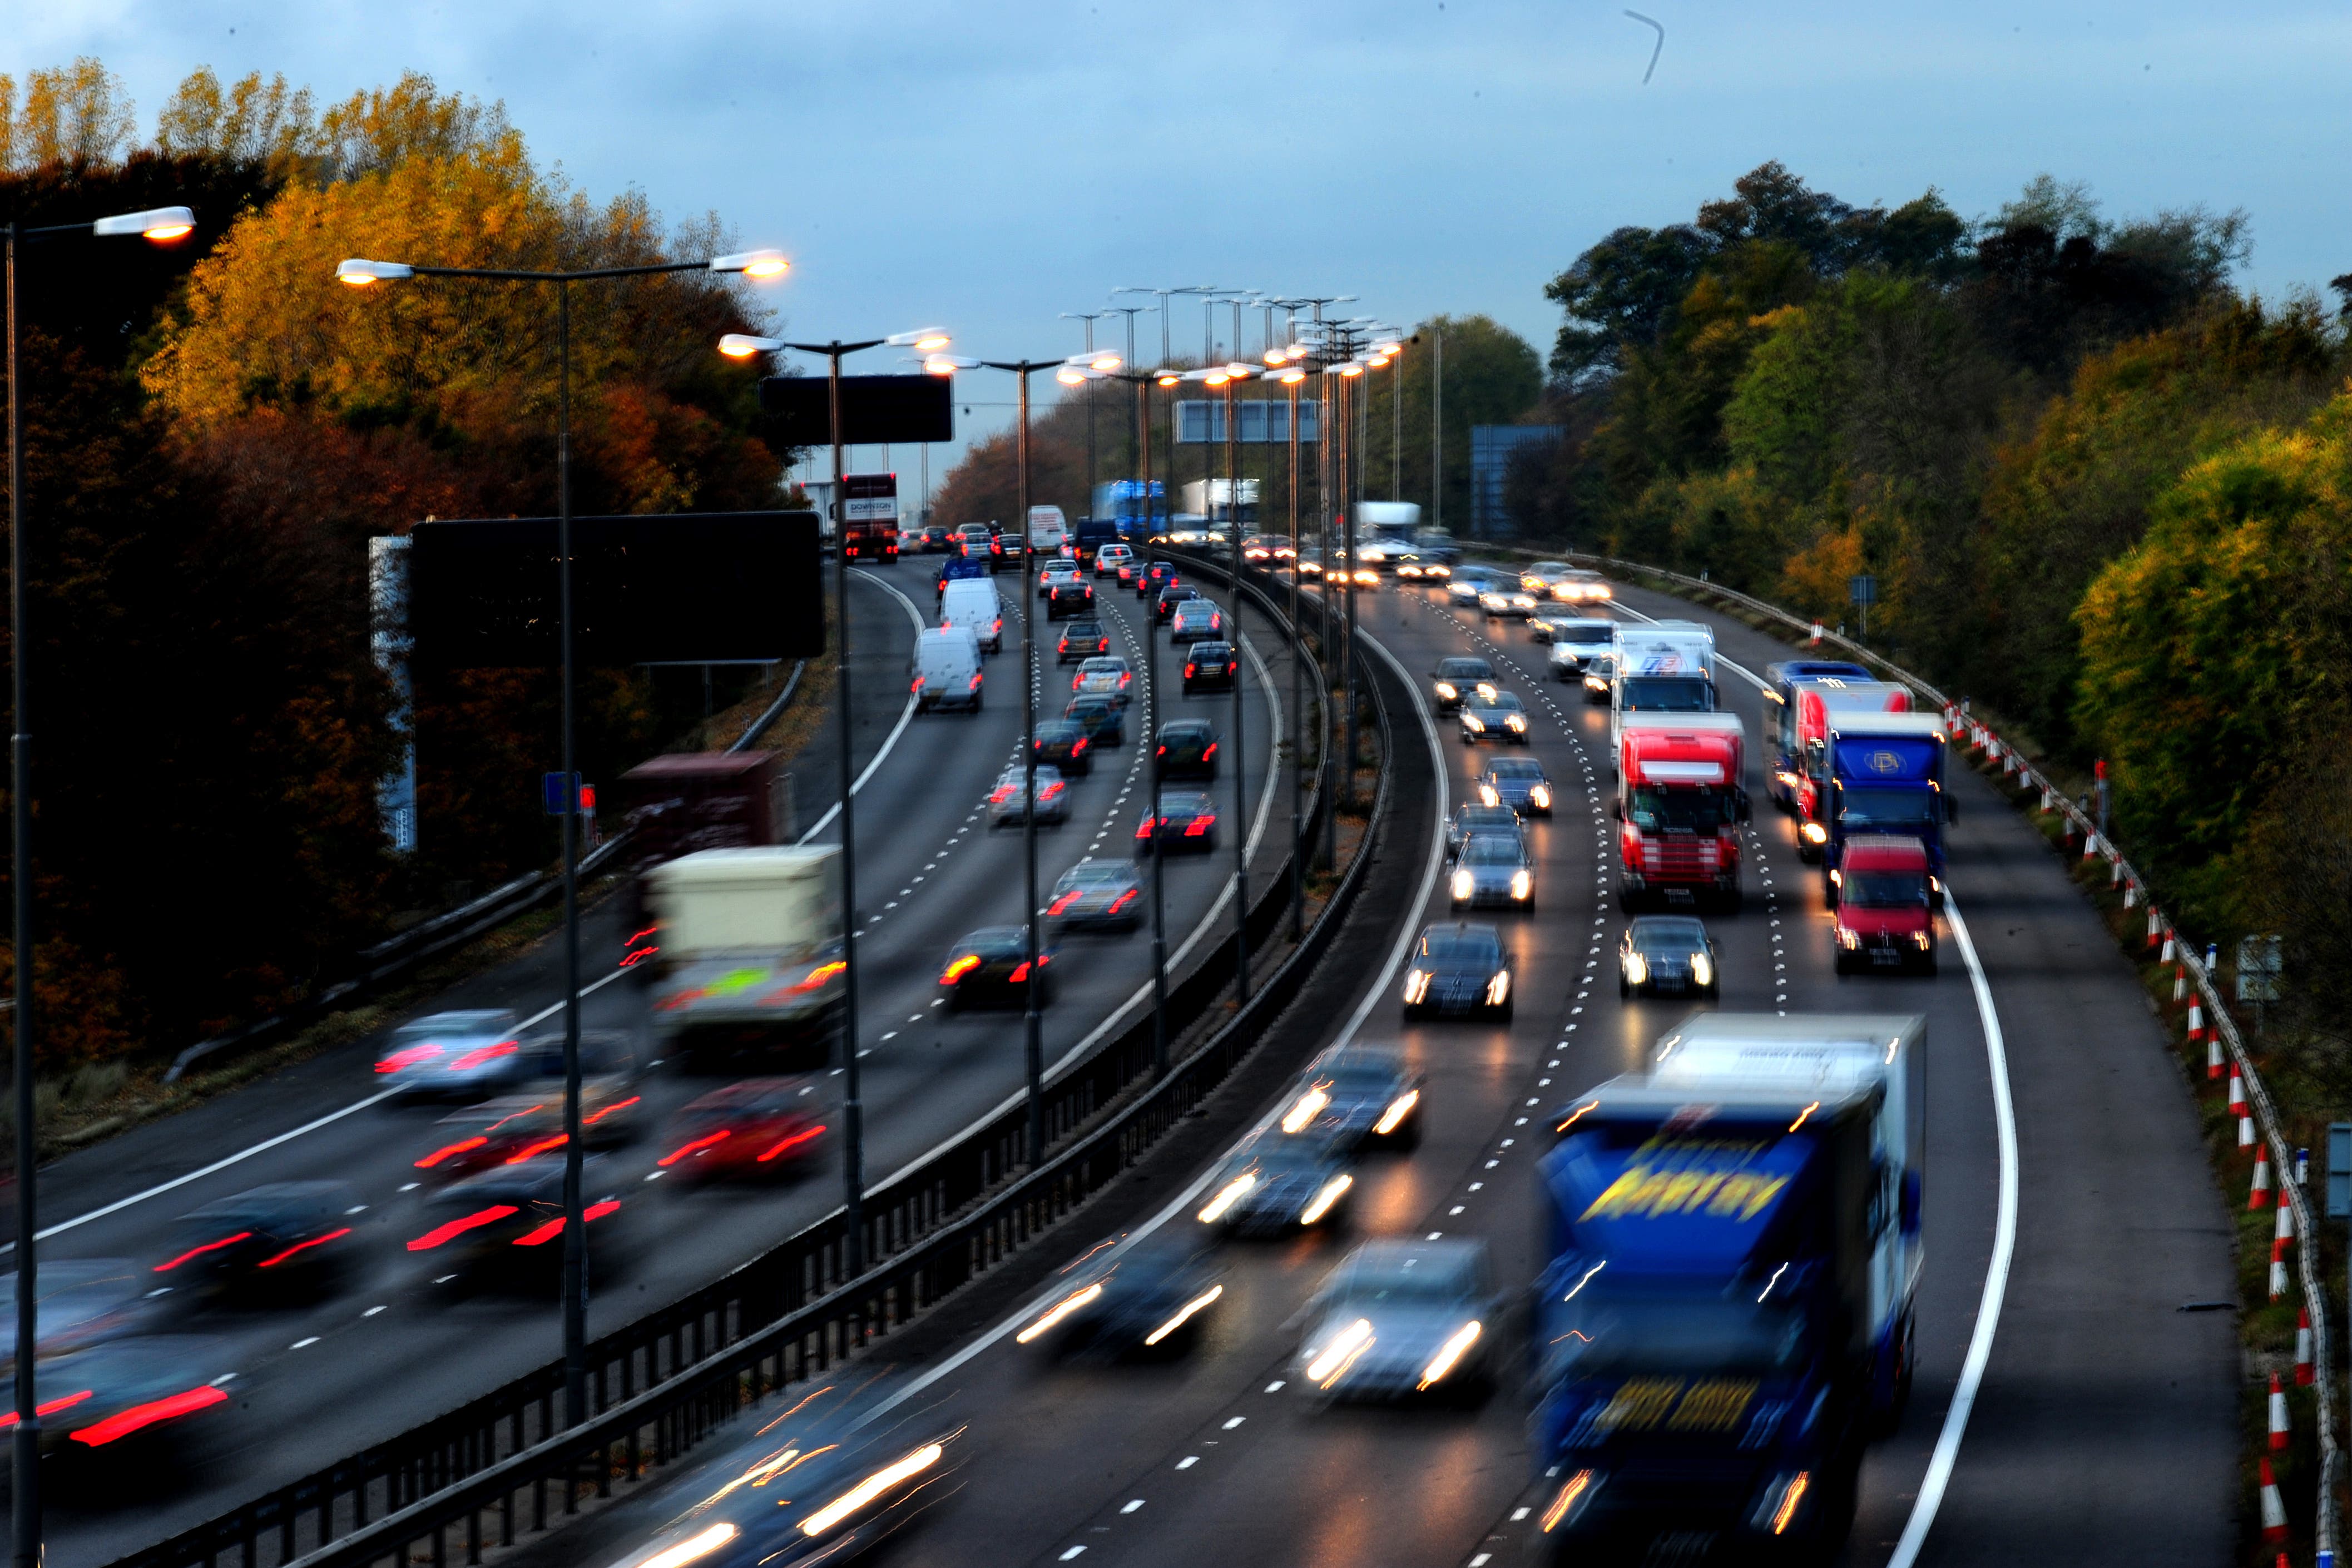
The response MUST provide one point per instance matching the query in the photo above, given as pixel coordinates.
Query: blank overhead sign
(875, 410)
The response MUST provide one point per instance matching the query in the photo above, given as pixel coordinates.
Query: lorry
(1136, 506)
(1817, 704)
(1680, 799)
(1732, 1249)
(677, 804)
(1213, 502)
(1387, 533)
(869, 520)
(1662, 666)
(1781, 683)
(1882, 773)
(746, 964)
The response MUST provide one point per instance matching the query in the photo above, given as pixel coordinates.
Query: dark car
(1487, 714)
(1518, 782)
(1084, 639)
(1129, 1295)
(1063, 742)
(1164, 603)
(1474, 818)
(991, 968)
(1186, 822)
(1096, 895)
(1104, 719)
(1402, 1320)
(758, 1128)
(1210, 667)
(1454, 678)
(933, 541)
(289, 1239)
(1356, 1095)
(1494, 871)
(1600, 675)
(1459, 970)
(1153, 577)
(1274, 1186)
(1187, 750)
(1667, 955)
(1064, 599)
(506, 1225)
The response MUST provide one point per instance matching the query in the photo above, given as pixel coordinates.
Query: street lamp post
(161, 225)
(362, 274)
(1290, 376)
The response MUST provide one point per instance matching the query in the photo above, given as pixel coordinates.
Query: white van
(972, 603)
(1049, 531)
(946, 668)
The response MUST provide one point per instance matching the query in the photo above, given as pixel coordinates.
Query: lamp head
(743, 345)
(923, 339)
(361, 273)
(162, 224)
(757, 263)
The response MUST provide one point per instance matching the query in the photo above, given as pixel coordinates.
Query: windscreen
(1490, 849)
(1701, 810)
(1667, 693)
(1908, 811)
(1604, 1330)
(1460, 946)
(1884, 890)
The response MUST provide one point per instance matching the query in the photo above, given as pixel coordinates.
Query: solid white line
(1411, 932)
(1996, 1284)
(906, 716)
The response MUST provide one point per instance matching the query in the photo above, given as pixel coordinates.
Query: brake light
(1061, 904)
(8, 1418)
(958, 968)
(1077, 745)
(126, 1422)
(693, 1146)
(791, 1142)
(456, 1228)
(1212, 751)
(1164, 751)
(917, 685)
(301, 1246)
(542, 1234)
(1020, 972)
(408, 1057)
(975, 679)
(1121, 901)
(533, 1151)
(1197, 826)
(207, 1247)
(621, 1105)
(486, 1053)
(1190, 670)
(451, 1151)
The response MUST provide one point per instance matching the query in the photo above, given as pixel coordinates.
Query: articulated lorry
(1661, 667)
(1882, 773)
(1680, 800)
(1804, 722)
(746, 965)
(1726, 1316)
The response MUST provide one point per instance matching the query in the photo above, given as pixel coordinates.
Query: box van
(1049, 531)
(946, 668)
(970, 602)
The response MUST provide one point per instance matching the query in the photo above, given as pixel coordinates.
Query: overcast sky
(990, 166)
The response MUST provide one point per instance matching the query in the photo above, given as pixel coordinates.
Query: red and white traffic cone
(2278, 1416)
(2262, 1188)
(2213, 1056)
(2131, 891)
(2155, 925)
(2090, 845)
(2180, 978)
(2305, 1371)
(2285, 1234)
(2196, 1021)
(2237, 1095)
(2246, 1139)
(1817, 633)
(2166, 956)
(2274, 1509)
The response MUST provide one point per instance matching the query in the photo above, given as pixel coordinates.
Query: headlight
(1523, 886)
(1320, 1204)
(1472, 721)
(1815, 833)
(1463, 885)
(1449, 1354)
(1574, 1498)
(1310, 1106)
(1848, 936)
(1540, 797)
(1923, 938)
(1398, 1109)
(1516, 722)
(1702, 970)
(1486, 796)
(1445, 690)
(1637, 969)
(1227, 1196)
(1059, 1310)
(1498, 989)
(692, 1548)
(1332, 1362)
(1777, 1508)
(1416, 986)
(872, 1487)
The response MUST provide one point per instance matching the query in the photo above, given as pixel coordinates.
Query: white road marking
(906, 716)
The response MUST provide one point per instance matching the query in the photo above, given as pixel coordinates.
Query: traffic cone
(2262, 1189)
(2285, 1234)
(2278, 1416)
(2213, 1056)
(2166, 956)
(2274, 1509)
(2131, 892)
(2237, 1095)
(2196, 1021)
(2304, 1370)
(2090, 845)
(2278, 1274)
(2155, 924)
(2246, 1132)
(2179, 976)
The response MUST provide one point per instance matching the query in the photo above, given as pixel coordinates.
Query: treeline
(2101, 488)
(213, 431)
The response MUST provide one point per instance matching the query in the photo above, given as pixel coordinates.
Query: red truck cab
(1816, 703)
(1886, 909)
(1680, 801)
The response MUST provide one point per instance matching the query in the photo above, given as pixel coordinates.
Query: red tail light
(1212, 751)
(1063, 903)
(1077, 745)
(487, 1053)
(917, 685)
(975, 679)
(533, 1151)
(1197, 826)
(620, 1105)
(1189, 671)
(199, 1251)
(461, 1146)
(9, 1418)
(1020, 972)
(693, 1146)
(456, 1228)
(409, 1057)
(959, 968)
(303, 1246)
(1164, 751)
(1121, 901)
(129, 1421)
(538, 1235)
(790, 1143)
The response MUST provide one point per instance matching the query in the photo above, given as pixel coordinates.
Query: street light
(1226, 378)
(361, 273)
(161, 225)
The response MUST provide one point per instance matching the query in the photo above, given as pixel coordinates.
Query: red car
(758, 1127)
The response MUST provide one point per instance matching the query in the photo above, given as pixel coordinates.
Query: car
(1600, 676)
(1054, 571)
(757, 1128)
(1106, 676)
(934, 539)
(1518, 782)
(1096, 895)
(1472, 817)
(1459, 970)
(1540, 578)
(284, 1240)
(1195, 621)
(1352, 1095)
(1187, 821)
(505, 1225)
(1105, 719)
(1455, 676)
(1491, 714)
(1110, 558)
(1164, 603)
(1010, 803)
(1186, 748)
(1402, 1320)
(1069, 598)
(1210, 667)
(468, 1055)
(989, 967)
(977, 541)
(1667, 955)
(1061, 745)
(1465, 587)
(1082, 639)
(948, 671)
(1257, 547)
(1493, 870)
(1583, 587)
(1268, 1185)
(1311, 562)
(1575, 640)
(1153, 577)
(1128, 1295)
(1505, 603)
(518, 1127)
(105, 1330)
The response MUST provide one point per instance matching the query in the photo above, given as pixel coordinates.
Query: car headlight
(1449, 1354)
(1702, 970)
(1227, 1196)
(1517, 723)
(1472, 721)
(1637, 969)
(1848, 936)
(1815, 833)
(1463, 883)
(1540, 797)
(1523, 885)
(1923, 938)
(1320, 1204)
(1330, 1363)
(1446, 691)
(1398, 1109)
(1498, 989)
(1486, 795)
(1416, 986)
(1303, 1112)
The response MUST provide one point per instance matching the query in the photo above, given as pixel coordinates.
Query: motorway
(312, 1384)
(2064, 1409)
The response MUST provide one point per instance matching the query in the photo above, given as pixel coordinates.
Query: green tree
(1492, 376)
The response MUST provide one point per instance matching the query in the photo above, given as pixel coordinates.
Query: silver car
(1493, 871)
(1096, 895)
(1503, 601)
(1400, 1319)
(1105, 675)
(1008, 803)
(1194, 619)
(467, 1055)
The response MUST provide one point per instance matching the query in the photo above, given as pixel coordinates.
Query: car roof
(1514, 767)
(1099, 871)
(1104, 662)
(1186, 726)
(996, 938)
(1502, 698)
(1092, 702)
(1082, 629)
(1184, 801)
(1500, 845)
(1666, 928)
(1464, 666)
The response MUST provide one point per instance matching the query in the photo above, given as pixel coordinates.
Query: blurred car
(1575, 639)
(1059, 571)
(1064, 600)
(977, 541)
(1600, 675)
(1153, 577)
(1667, 955)
(1082, 639)
(753, 1127)
(1210, 666)
(289, 1239)
(1111, 557)
(1106, 676)
(1519, 782)
(1164, 602)
(1459, 970)
(506, 1225)
(1583, 587)
(1490, 713)
(1257, 547)
(1493, 870)
(105, 1373)
(1311, 562)
(1351, 1095)
(1469, 582)
(1503, 603)
(1272, 1185)
(1010, 800)
(934, 539)
(1187, 749)
(989, 967)
(516, 1127)
(1454, 678)
(1096, 895)
(1398, 1319)
(468, 1055)
(1472, 817)
(1063, 746)
(825, 1480)
(1186, 822)
(86, 1301)
(1133, 1294)
(1540, 578)
(1105, 719)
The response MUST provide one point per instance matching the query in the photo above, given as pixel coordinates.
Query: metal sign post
(1863, 592)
